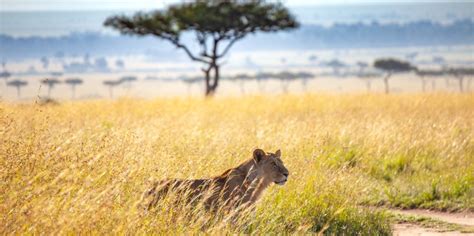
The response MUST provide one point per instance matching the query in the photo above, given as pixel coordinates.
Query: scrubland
(82, 166)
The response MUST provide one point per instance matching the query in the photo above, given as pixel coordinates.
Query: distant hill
(356, 35)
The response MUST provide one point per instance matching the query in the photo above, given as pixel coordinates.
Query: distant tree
(73, 82)
(111, 84)
(128, 80)
(336, 65)
(261, 78)
(241, 78)
(189, 81)
(441, 61)
(367, 77)
(391, 66)
(285, 78)
(56, 73)
(4, 74)
(425, 74)
(213, 22)
(18, 84)
(304, 77)
(50, 82)
(460, 74)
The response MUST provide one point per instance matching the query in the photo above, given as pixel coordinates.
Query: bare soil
(463, 220)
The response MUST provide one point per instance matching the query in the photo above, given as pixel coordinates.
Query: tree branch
(190, 54)
(202, 39)
(229, 46)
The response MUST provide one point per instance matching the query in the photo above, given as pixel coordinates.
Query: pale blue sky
(32, 5)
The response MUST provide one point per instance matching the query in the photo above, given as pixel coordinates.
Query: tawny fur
(239, 186)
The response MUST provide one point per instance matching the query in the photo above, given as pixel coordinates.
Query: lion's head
(270, 166)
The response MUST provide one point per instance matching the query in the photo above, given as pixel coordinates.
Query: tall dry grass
(82, 166)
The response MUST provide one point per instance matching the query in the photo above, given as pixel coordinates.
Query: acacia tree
(18, 84)
(285, 78)
(73, 82)
(424, 74)
(189, 81)
(128, 80)
(336, 65)
(460, 74)
(111, 84)
(50, 82)
(391, 66)
(261, 78)
(214, 22)
(5, 74)
(367, 77)
(241, 78)
(304, 76)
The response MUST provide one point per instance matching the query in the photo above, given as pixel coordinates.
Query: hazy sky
(32, 5)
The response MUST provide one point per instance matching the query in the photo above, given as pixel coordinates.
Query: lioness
(236, 187)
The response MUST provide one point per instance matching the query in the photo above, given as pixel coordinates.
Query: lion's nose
(285, 174)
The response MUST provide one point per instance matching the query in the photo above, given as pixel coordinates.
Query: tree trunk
(385, 80)
(18, 92)
(111, 92)
(423, 84)
(212, 81)
(461, 86)
(49, 91)
(216, 78)
(207, 81)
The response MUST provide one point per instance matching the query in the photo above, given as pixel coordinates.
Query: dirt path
(413, 229)
(445, 224)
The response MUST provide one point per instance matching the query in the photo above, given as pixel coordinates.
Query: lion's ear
(278, 153)
(258, 155)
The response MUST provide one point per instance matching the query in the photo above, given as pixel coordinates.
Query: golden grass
(82, 166)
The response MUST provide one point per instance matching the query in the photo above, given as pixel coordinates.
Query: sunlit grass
(82, 166)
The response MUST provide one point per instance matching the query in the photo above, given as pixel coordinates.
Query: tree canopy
(73, 81)
(213, 21)
(393, 65)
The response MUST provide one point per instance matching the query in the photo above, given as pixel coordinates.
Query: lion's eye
(275, 164)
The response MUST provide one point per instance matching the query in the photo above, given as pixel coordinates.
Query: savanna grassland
(82, 166)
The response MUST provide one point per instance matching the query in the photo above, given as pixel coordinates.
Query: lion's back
(191, 188)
